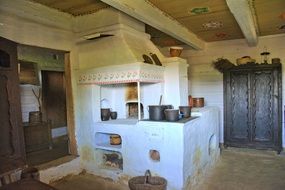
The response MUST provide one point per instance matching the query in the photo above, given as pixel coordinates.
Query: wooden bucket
(35, 117)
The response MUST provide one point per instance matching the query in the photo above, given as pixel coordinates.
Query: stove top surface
(183, 120)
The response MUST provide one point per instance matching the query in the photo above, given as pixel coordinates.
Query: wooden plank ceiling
(270, 16)
(210, 20)
(75, 7)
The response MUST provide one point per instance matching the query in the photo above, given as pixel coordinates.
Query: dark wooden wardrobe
(12, 147)
(252, 106)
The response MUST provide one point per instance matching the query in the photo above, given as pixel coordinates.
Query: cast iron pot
(114, 115)
(185, 111)
(156, 112)
(105, 114)
(171, 114)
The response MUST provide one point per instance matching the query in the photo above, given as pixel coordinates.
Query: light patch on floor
(246, 170)
(87, 182)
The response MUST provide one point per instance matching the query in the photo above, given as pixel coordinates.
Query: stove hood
(114, 54)
(115, 45)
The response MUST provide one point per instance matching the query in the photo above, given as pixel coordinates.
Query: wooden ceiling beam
(245, 18)
(149, 14)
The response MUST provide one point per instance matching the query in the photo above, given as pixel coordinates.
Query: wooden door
(238, 114)
(253, 107)
(54, 98)
(12, 152)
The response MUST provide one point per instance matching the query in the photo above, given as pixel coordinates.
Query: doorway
(54, 115)
(45, 83)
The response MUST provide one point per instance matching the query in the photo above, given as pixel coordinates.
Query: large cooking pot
(156, 112)
(171, 114)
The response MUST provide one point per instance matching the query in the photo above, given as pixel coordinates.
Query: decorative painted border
(150, 76)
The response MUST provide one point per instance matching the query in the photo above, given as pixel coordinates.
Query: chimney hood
(118, 44)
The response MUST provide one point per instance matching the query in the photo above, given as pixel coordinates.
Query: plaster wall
(205, 81)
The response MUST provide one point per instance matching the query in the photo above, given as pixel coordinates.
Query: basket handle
(147, 176)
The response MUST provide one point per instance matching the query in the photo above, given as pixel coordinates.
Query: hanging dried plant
(222, 64)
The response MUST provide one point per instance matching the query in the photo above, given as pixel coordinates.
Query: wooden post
(70, 107)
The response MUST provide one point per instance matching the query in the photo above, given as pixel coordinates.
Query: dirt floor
(236, 170)
(242, 169)
(87, 182)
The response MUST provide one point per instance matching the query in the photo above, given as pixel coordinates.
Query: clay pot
(115, 140)
(105, 114)
(113, 115)
(185, 111)
(175, 51)
(171, 114)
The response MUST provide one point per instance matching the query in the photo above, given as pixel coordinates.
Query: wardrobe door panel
(262, 128)
(239, 107)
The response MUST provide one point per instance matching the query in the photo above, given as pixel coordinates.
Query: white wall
(205, 81)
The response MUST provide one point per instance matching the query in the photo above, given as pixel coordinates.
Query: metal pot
(171, 114)
(185, 111)
(113, 115)
(156, 112)
(105, 114)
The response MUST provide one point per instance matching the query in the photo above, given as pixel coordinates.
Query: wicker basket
(147, 182)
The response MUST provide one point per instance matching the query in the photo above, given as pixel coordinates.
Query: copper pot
(190, 101)
(198, 102)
